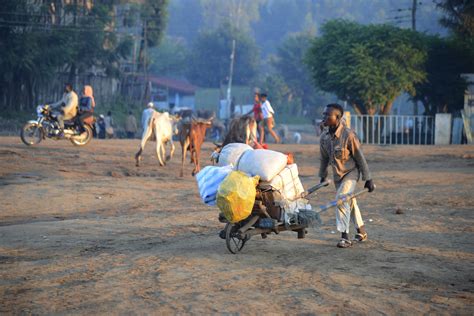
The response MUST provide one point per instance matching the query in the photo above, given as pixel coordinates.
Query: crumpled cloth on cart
(236, 196)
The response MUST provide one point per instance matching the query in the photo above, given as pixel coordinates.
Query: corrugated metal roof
(174, 84)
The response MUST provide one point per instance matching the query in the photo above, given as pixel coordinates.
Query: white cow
(164, 127)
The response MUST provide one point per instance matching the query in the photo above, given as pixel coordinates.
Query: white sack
(262, 162)
(286, 182)
(231, 153)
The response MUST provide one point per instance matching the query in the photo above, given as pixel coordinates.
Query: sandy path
(82, 231)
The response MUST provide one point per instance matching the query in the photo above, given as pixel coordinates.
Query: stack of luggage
(245, 179)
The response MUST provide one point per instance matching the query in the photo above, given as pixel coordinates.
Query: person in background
(340, 148)
(86, 106)
(66, 107)
(146, 114)
(268, 116)
(101, 126)
(258, 116)
(109, 125)
(131, 125)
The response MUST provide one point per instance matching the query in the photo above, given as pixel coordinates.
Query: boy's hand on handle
(369, 184)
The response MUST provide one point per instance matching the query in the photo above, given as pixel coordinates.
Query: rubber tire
(88, 138)
(22, 134)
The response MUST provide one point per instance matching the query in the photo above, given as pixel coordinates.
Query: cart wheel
(232, 239)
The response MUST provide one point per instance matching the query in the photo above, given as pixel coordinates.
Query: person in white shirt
(147, 114)
(67, 106)
(268, 114)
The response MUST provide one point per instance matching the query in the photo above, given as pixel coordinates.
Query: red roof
(174, 84)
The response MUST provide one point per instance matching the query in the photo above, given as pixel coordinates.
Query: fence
(394, 129)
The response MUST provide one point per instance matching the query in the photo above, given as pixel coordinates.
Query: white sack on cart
(289, 185)
(287, 182)
(262, 162)
(231, 153)
(209, 179)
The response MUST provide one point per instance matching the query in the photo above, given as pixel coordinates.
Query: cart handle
(342, 199)
(314, 188)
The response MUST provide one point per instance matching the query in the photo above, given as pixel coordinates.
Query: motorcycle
(46, 125)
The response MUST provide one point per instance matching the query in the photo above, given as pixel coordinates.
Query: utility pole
(413, 27)
(145, 70)
(231, 70)
(231, 73)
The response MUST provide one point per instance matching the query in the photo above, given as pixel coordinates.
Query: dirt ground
(84, 231)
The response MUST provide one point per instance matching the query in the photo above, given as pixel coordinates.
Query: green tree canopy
(169, 58)
(209, 59)
(40, 39)
(367, 65)
(290, 65)
(459, 16)
(443, 89)
(153, 18)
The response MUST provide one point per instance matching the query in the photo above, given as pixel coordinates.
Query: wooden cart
(268, 217)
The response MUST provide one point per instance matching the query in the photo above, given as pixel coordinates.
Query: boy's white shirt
(267, 109)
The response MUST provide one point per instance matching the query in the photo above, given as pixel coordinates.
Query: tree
(153, 18)
(209, 58)
(443, 89)
(38, 41)
(459, 16)
(169, 58)
(367, 65)
(291, 67)
(239, 13)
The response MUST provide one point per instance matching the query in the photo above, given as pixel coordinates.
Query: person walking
(131, 125)
(101, 126)
(341, 149)
(146, 114)
(109, 125)
(268, 117)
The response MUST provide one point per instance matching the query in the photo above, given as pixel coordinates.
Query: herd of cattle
(191, 133)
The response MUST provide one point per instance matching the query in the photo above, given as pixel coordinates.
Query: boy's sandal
(360, 237)
(344, 243)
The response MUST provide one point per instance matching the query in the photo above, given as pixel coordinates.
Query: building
(168, 93)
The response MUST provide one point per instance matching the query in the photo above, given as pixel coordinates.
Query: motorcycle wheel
(31, 134)
(84, 138)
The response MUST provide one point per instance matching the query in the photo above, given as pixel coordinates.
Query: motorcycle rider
(67, 107)
(86, 106)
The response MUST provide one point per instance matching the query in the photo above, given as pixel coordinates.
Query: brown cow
(192, 134)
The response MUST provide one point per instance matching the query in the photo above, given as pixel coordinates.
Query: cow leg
(197, 153)
(252, 137)
(172, 148)
(184, 147)
(146, 135)
(159, 147)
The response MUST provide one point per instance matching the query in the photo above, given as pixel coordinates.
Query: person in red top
(258, 116)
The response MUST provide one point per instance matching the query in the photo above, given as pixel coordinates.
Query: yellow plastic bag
(236, 196)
